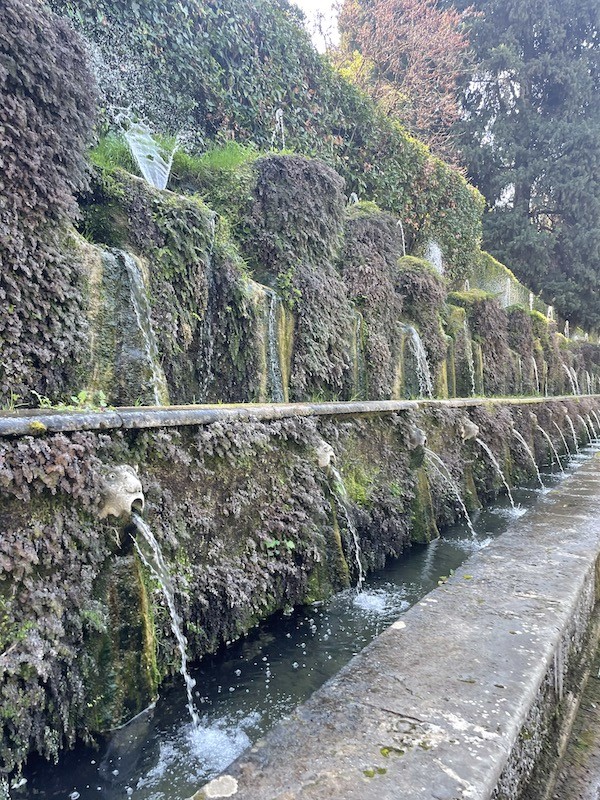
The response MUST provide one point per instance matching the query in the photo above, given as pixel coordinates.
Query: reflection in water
(248, 686)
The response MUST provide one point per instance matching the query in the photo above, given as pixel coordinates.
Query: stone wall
(248, 522)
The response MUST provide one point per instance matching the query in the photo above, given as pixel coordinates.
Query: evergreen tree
(531, 140)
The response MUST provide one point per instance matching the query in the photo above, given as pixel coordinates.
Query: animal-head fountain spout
(122, 492)
(417, 438)
(417, 441)
(468, 430)
(325, 454)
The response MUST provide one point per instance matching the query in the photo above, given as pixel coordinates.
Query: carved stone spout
(469, 430)
(121, 492)
(416, 438)
(325, 454)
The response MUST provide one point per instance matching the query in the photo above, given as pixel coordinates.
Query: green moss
(423, 528)
(223, 176)
(364, 208)
(466, 299)
(359, 484)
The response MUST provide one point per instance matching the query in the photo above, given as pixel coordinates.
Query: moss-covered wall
(286, 293)
(249, 524)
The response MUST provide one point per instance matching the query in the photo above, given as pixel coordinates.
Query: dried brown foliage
(408, 55)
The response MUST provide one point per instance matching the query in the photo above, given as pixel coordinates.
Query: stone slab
(41, 421)
(432, 709)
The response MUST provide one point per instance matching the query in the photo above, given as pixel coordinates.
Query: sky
(320, 9)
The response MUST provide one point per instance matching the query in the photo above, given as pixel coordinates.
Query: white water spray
(494, 461)
(278, 129)
(442, 470)
(141, 307)
(433, 254)
(153, 159)
(160, 570)
(552, 447)
(531, 456)
(401, 226)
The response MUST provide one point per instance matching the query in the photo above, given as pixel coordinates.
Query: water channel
(245, 688)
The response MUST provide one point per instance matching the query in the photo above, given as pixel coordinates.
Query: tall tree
(531, 139)
(408, 55)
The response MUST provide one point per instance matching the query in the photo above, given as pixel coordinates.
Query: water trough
(462, 697)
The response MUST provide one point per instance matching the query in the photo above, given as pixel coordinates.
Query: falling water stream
(275, 376)
(158, 567)
(421, 362)
(562, 436)
(446, 476)
(592, 428)
(553, 449)
(494, 461)
(530, 454)
(469, 356)
(587, 430)
(342, 494)
(572, 427)
(538, 387)
(570, 376)
(141, 307)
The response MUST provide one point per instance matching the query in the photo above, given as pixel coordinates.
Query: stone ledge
(41, 421)
(449, 703)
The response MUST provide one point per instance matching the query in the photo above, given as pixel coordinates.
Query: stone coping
(40, 421)
(438, 705)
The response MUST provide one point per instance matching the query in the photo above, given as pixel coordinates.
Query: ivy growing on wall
(222, 68)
